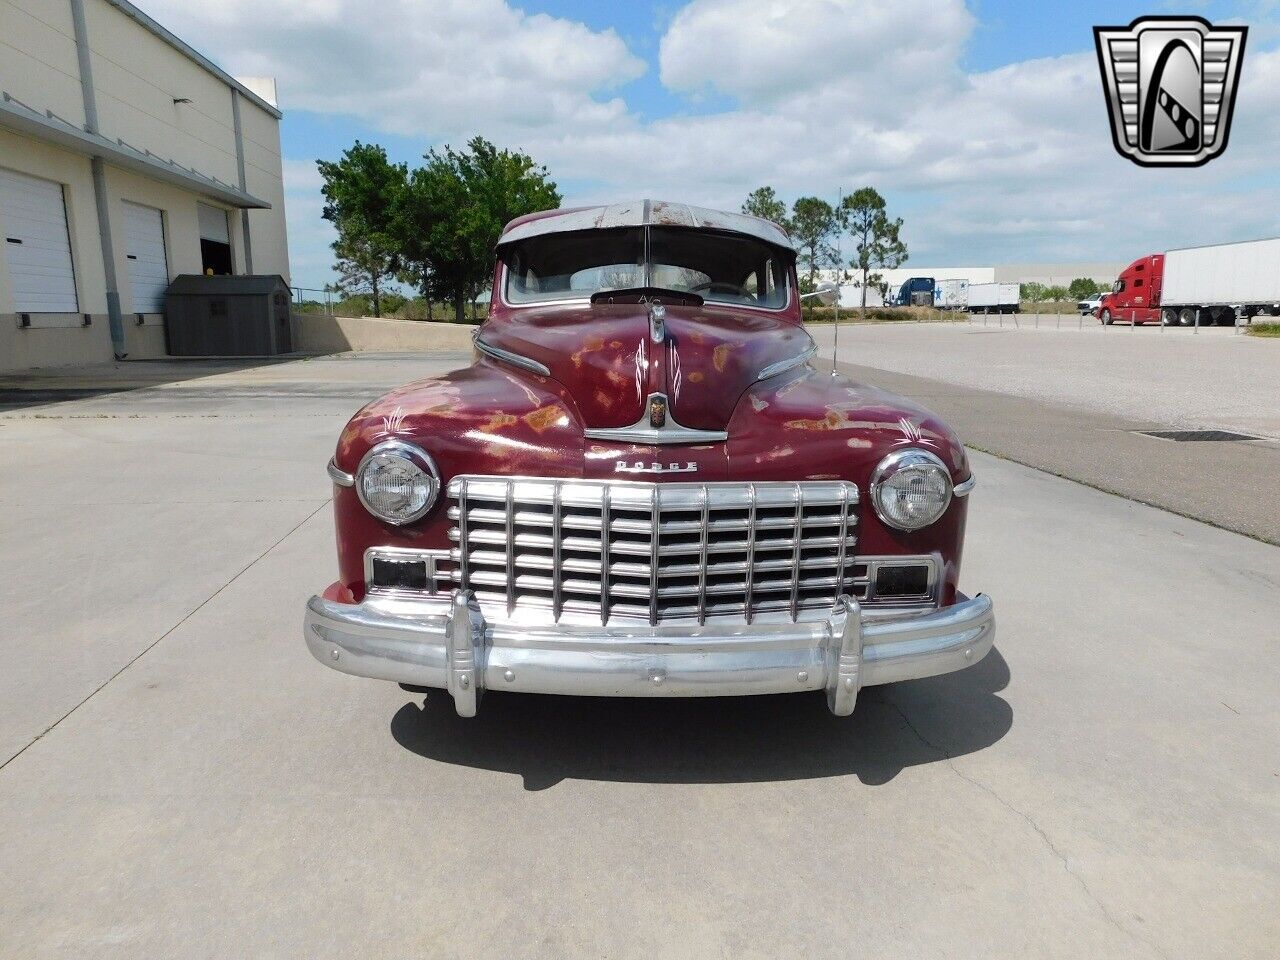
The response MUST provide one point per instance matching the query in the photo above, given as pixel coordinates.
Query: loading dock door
(37, 247)
(148, 265)
(215, 241)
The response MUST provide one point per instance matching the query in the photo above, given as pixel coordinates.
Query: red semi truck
(1205, 285)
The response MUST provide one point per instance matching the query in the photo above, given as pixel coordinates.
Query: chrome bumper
(448, 644)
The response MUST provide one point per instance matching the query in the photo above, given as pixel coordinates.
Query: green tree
(1032, 292)
(876, 244)
(1082, 287)
(454, 209)
(1055, 294)
(813, 225)
(764, 203)
(361, 191)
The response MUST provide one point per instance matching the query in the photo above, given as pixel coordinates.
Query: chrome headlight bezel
(915, 460)
(416, 457)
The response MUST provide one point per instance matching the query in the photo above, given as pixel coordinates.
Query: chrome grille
(615, 551)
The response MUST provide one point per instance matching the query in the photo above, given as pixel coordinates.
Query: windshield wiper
(647, 295)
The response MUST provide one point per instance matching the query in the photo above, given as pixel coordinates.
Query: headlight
(397, 482)
(910, 489)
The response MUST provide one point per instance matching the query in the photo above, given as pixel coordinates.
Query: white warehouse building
(126, 159)
(1049, 274)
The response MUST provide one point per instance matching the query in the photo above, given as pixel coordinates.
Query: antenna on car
(828, 294)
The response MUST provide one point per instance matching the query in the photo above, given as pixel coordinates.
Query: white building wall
(38, 64)
(137, 77)
(851, 289)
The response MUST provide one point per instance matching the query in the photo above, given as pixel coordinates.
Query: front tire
(1106, 318)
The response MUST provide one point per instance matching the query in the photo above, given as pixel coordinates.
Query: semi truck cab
(915, 289)
(1135, 296)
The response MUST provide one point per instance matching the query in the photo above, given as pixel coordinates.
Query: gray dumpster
(227, 316)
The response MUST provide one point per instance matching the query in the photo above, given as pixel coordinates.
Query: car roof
(643, 213)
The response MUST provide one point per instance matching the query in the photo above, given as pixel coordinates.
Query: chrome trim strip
(704, 513)
(751, 548)
(962, 489)
(606, 537)
(796, 546)
(340, 477)
(446, 643)
(506, 356)
(773, 369)
(643, 433)
(511, 550)
(655, 513)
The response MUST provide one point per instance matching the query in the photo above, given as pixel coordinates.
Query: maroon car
(641, 487)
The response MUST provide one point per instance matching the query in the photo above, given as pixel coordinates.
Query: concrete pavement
(1104, 784)
(1076, 403)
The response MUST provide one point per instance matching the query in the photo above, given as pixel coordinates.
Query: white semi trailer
(993, 298)
(951, 294)
(1205, 285)
(1223, 280)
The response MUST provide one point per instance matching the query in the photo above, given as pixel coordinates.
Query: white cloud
(1011, 164)
(434, 68)
(871, 56)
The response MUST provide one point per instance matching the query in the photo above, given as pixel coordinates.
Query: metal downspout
(114, 317)
(244, 214)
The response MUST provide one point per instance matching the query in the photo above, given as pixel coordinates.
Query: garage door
(148, 265)
(37, 249)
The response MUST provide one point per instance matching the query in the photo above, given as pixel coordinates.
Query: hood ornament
(657, 411)
(657, 323)
(656, 426)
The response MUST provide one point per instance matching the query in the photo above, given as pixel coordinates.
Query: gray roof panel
(643, 213)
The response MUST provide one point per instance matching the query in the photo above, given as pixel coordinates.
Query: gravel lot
(180, 779)
(1169, 376)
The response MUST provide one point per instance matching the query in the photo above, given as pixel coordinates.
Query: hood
(604, 355)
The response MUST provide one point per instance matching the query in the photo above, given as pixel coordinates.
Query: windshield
(718, 267)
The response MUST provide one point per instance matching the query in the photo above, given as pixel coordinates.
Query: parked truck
(951, 294)
(993, 298)
(915, 291)
(1205, 285)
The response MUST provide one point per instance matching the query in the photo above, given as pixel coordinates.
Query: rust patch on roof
(696, 377)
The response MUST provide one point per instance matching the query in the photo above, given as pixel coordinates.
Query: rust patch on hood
(834, 420)
(497, 421)
(590, 345)
(720, 355)
(546, 417)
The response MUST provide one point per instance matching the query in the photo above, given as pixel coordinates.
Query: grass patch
(1263, 329)
(883, 315)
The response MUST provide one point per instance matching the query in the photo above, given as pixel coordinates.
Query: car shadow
(547, 739)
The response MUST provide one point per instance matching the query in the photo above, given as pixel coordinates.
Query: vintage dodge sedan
(642, 488)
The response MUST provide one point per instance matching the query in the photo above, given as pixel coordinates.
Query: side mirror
(827, 293)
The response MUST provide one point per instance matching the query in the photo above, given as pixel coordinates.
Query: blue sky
(982, 123)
